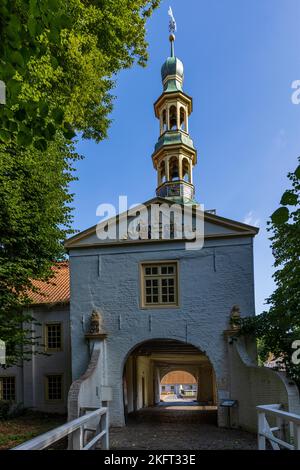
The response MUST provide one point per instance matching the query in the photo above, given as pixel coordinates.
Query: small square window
(7, 388)
(54, 387)
(53, 336)
(160, 284)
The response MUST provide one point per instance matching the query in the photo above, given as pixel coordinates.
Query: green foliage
(279, 327)
(35, 217)
(58, 59)
(262, 352)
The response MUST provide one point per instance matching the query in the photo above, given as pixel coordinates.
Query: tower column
(178, 116)
(180, 167)
(158, 177)
(190, 173)
(167, 168)
(161, 122)
(168, 117)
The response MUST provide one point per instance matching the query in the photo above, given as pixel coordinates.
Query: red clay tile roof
(57, 289)
(178, 377)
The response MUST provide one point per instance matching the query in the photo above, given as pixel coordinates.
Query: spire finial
(172, 30)
(172, 22)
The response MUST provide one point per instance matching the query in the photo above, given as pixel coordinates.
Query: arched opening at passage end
(178, 385)
(161, 368)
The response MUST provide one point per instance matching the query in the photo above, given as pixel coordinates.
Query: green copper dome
(172, 66)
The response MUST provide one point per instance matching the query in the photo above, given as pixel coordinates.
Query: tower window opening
(164, 120)
(186, 170)
(173, 118)
(174, 169)
(162, 172)
(182, 119)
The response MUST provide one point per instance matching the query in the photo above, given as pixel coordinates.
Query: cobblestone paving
(178, 431)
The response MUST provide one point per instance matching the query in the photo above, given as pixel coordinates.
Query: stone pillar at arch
(205, 391)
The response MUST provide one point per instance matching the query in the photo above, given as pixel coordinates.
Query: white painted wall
(211, 280)
(252, 385)
(30, 375)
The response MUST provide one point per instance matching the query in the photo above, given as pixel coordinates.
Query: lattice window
(7, 388)
(53, 336)
(54, 387)
(160, 284)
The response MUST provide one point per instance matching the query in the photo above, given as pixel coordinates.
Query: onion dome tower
(175, 155)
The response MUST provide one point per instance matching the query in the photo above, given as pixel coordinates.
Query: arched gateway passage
(146, 369)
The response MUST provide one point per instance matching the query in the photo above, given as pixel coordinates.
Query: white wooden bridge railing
(94, 422)
(286, 433)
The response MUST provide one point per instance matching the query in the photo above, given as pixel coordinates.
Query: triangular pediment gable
(214, 227)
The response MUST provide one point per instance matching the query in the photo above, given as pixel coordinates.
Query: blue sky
(240, 59)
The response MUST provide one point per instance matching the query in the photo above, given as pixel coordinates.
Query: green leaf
(38, 130)
(280, 216)
(64, 21)
(24, 138)
(40, 144)
(297, 172)
(53, 5)
(14, 88)
(58, 115)
(31, 108)
(44, 109)
(4, 135)
(54, 35)
(289, 199)
(54, 62)
(14, 24)
(17, 58)
(13, 126)
(68, 132)
(20, 114)
(51, 129)
(32, 26)
(7, 71)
